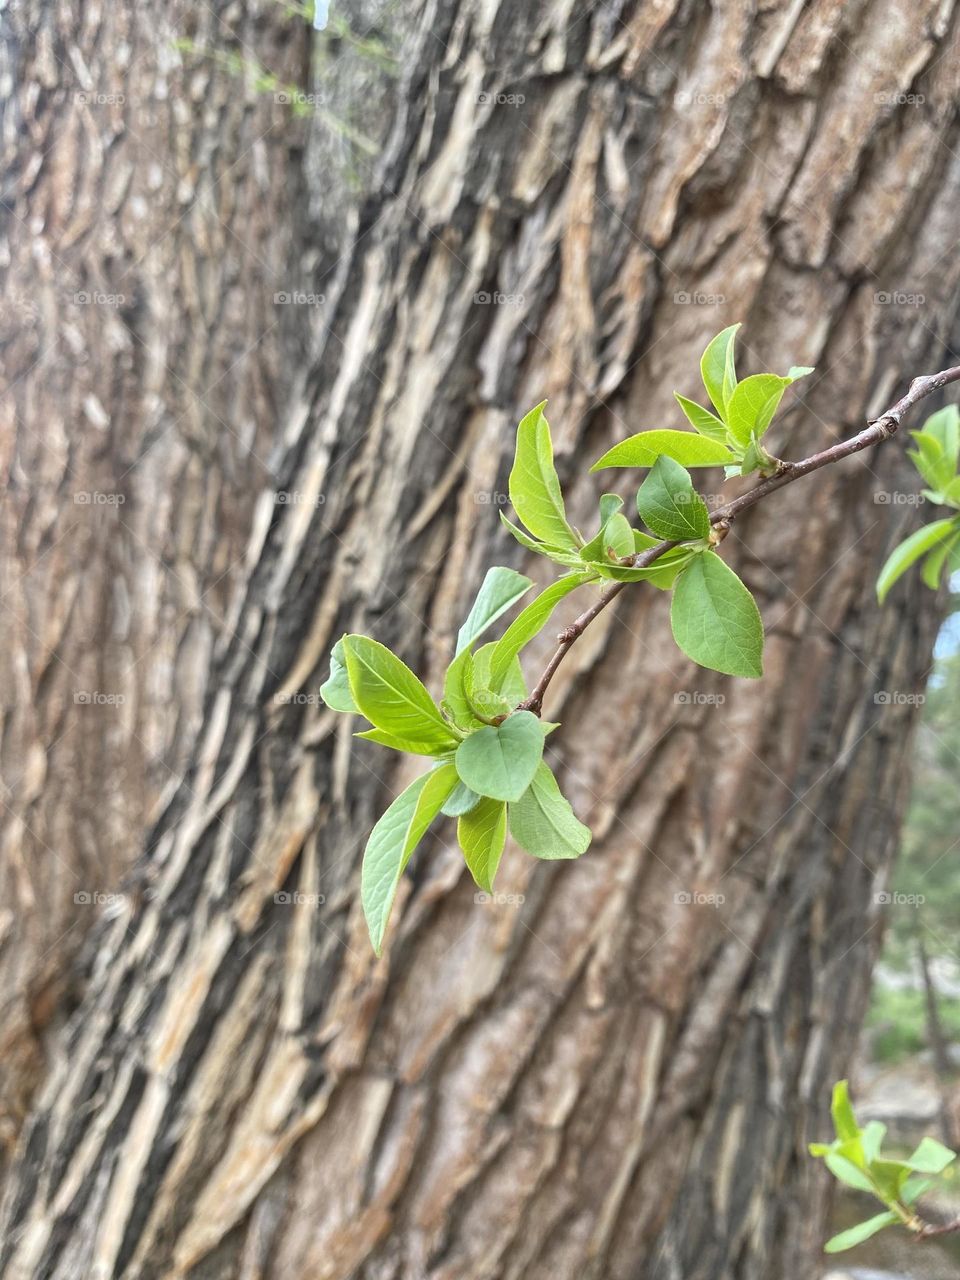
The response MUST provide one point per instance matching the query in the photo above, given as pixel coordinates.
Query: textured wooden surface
(605, 1079)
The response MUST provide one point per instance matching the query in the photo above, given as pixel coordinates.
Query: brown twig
(876, 432)
(931, 1229)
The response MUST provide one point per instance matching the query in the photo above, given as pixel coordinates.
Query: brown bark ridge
(144, 367)
(612, 1069)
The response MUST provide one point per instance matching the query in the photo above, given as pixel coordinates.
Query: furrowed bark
(615, 1076)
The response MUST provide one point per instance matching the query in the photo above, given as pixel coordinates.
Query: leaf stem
(878, 430)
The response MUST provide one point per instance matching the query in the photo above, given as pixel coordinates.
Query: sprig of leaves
(730, 434)
(937, 544)
(855, 1158)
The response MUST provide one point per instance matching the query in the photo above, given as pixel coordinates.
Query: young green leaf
(456, 689)
(930, 460)
(844, 1121)
(500, 761)
(845, 1171)
(534, 485)
(610, 504)
(511, 686)
(501, 588)
(930, 1156)
(910, 551)
(393, 840)
(702, 420)
(543, 823)
(616, 536)
(392, 698)
(944, 427)
(527, 623)
(460, 801)
(715, 619)
(482, 833)
(669, 505)
(871, 1138)
(335, 690)
(862, 1231)
(412, 747)
(558, 554)
(936, 559)
(753, 404)
(798, 371)
(718, 370)
(685, 447)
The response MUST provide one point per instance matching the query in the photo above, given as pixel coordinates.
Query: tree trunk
(611, 1070)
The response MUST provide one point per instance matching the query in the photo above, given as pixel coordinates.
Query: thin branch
(879, 429)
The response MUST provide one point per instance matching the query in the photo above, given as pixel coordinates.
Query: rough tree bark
(604, 1079)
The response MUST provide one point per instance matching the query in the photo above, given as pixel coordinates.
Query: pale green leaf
(847, 1172)
(482, 833)
(460, 801)
(862, 1231)
(616, 536)
(335, 690)
(685, 447)
(669, 505)
(501, 588)
(871, 1139)
(702, 420)
(753, 404)
(715, 619)
(456, 685)
(909, 551)
(557, 554)
(718, 370)
(944, 427)
(393, 840)
(844, 1121)
(411, 747)
(543, 823)
(800, 371)
(534, 485)
(499, 761)
(392, 698)
(930, 1156)
(511, 686)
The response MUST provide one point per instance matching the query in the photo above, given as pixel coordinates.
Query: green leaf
(392, 698)
(800, 371)
(460, 801)
(930, 1156)
(500, 761)
(501, 588)
(610, 504)
(756, 458)
(393, 840)
(914, 1188)
(335, 690)
(528, 623)
(702, 420)
(718, 370)
(862, 1231)
(557, 554)
(933, 565)
(543, 823)
(847, 1172)
(413, 747)
(753, 405)
(871, 1139)
(930, 460)
(715, 619)
(482, 833)
(944, 427)
(456, 686)
(534, 485)
(910, 551)
(669, 505)
(616, 535)
(844, 1121)
(685, 447)
(511, 687)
